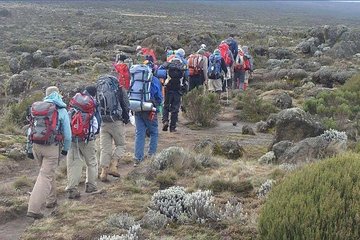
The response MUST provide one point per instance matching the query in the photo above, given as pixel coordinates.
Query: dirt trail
(185, 137)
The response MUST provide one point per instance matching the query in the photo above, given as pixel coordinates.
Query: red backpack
(239, 62)
(82, 110)
(124, 75)
(247, 64)
(225, 53)
(195, 63)
(149, 52)
(43, 123)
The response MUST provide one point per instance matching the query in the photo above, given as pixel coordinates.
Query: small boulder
(267, 158)
(26, 61)
(283, 101)
(14, 65)
(262, 127)
(246, 129)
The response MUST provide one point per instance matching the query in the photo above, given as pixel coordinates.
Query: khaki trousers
(45, 186)
(79, 153)
(111, 132)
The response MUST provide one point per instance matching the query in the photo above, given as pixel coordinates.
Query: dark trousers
(171, 105)
(196, 81)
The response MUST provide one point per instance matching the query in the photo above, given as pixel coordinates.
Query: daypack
(107, 96)
(214, 69)
(124, 75)
(176, 68)
(196, 64)
(247, 64)
(233, 46)
(149, 54)
(239, 62)
(82, 110)
(139, 92)
(43, 123)
(225, 54)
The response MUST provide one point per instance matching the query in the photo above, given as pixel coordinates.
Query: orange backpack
(195, 63)
(225, 54)
(124, 75)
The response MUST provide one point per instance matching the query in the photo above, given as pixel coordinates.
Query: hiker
(114, 109)
(233, 45)
(50, 140)
(239, 70)
(85, 124)
(146, 105)
(206, 53)
(216, 67)
(145, 54)
(122, 68)
(170, 54)
(248, 65)
(175, 87)
(226, 54)
(197, 65)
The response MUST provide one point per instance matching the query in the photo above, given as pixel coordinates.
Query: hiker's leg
(74, 166)
(140, 136)
(211, 85)
(192, 83)
(118, 133)
(175, 107)
(154, 135)
(89, 150)
(106, 143)
(165, 116)
(45, 186)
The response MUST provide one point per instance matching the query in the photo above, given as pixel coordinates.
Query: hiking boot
(73, 193)
(165, 126)
(136, 163)
(104, 173)
(35, 215)
(51, 205)
(113, 171)
(89, 188)
(173, 130)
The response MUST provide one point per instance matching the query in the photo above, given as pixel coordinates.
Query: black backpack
(108, 94)
(176, 68)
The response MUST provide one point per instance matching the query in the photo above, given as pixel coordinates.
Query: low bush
(201, 107)
(253, 108)
(336, 107)
(220, 185)
(322, 201)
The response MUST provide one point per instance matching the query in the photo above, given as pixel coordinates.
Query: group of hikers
(142, 91)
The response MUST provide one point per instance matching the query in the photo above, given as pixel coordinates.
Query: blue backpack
(214, 69)
(233, 46)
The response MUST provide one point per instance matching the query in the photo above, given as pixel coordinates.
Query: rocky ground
(69, 43)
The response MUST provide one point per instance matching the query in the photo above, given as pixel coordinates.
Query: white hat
(51, 89)
(180, 52)
(202, 46)
(138, 48)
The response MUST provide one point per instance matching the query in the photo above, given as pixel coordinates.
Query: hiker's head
(138, 48)
(216, 52)
(231, 35)
(51, 89)
(203, 46)
(91, 90)
(168, 48)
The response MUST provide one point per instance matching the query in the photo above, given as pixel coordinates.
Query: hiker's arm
(65, 127)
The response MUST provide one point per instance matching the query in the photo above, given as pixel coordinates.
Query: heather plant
(265, 188)
(201, 107)
(254, 109)
(200, 206)
(322, 201)
(122, 220)
(154, 220)
(233, 211)
(132, 234)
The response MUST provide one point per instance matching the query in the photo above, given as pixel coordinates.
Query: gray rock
(49, 61)
(5, 13)
(246, 129)
(228, 148)
(14, 65)
(347, 45)
(318, 53)
(271, 120)
(308, 46)
(26, 61)
(294, 124)
(18, 83)
(283, 101)
(261, 51)
(124, 48)
(281, 53)
(267, 158)
(262, 127)
(327, 76)
(280, 148)
(101, 68)
(39, 59)
(67, 55)
(297, 74)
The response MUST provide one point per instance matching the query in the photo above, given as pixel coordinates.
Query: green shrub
(220, 185)
(16, 113)
(253, 108)
(322, 201)
(336, 107)
(201, 107)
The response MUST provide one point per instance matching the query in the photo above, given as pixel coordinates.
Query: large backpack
(107, 95)
(196, 64)
(82, 110)
(139, 92)
(225, 54)
(124, 75)
(239, 62)
(43, 123)
(214, 69)
(233, 46)
(176, 68)
(149, 54)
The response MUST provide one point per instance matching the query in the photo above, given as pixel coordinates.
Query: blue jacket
(155, 91)
(64, 121)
